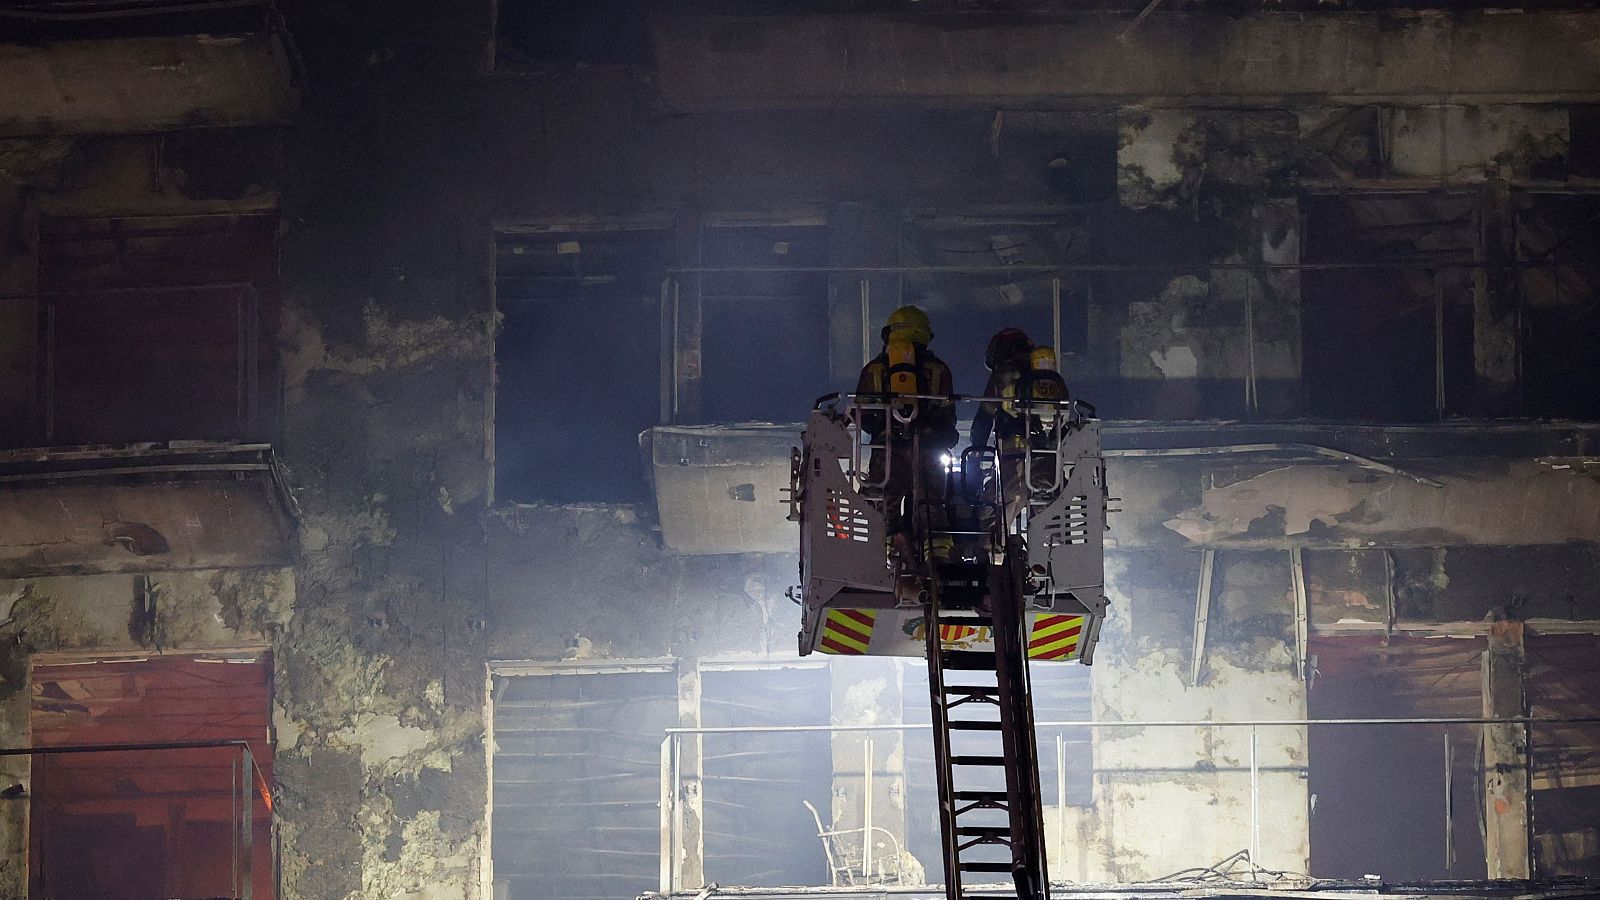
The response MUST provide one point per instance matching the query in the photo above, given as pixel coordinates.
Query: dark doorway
(577, 369)
(1382, 795)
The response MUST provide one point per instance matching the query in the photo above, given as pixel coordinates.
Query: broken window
(757, 829)
(1388, 305)
(1382, 797)
(764, 346)
(1558, 246)
(149, 824)
(158, 328)
(577, 370)
(576, 781)
(981, 275)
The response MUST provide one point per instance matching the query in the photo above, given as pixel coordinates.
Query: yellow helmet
(1043, 359)
(911, 324)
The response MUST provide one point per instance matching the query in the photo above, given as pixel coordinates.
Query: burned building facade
(399, 391)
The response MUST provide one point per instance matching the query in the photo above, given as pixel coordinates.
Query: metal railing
(677, 796)
(248, 782)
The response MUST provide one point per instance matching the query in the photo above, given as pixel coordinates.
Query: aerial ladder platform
(983, 584)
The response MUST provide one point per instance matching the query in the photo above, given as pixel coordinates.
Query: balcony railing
(1245, 779)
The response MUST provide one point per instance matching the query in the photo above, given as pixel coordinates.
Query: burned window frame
(1555, 262)
(501, 675)
(1455, 389)
(566, 237)
(686, 362)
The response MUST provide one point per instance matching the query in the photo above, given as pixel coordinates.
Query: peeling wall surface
(409, 572)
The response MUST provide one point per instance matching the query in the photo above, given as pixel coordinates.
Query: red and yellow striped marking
(847, 632)
(1055, 637)
(950, 634)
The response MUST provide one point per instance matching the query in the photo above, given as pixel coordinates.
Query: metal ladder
(984, 749)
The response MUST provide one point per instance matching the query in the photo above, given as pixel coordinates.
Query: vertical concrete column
(867, 691)
(1274, 330)
(859, 235)
(1496, 291)
(691, 861)
(1505, 755)
(682, 321)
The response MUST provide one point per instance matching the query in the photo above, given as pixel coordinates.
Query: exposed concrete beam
(134, 85)
(1172, 59)
(1505, 756)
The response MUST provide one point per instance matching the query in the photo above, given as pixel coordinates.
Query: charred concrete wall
(1145, 777)
(409, 152)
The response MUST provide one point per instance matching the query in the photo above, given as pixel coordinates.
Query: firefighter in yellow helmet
(907, 367)
(1009, 358)
(1043, 384)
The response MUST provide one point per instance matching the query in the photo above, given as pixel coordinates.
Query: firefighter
(907, 367)
(1043, 384)
(1008, 357)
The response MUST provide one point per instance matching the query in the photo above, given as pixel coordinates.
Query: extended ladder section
(990, 818)
(975, 592)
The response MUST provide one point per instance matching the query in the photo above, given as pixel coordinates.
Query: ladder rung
(985, 867)
(988, 831)
(974, 726)
(969, 660)
(981, 796)
(973, 690)
(977, 760)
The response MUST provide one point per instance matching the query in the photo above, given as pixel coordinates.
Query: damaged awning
(67, 511)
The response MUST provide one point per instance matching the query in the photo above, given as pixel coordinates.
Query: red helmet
(1008, 344)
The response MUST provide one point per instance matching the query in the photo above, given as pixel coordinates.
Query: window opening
(757, 830)
(1558, 243)
(576, 772)
(765, 342)
(1379, 677)
(577, 368)
(1563, 681)
(1390, 343)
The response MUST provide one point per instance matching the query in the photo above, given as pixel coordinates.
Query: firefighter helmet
(911, 324)
(1007, 345)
